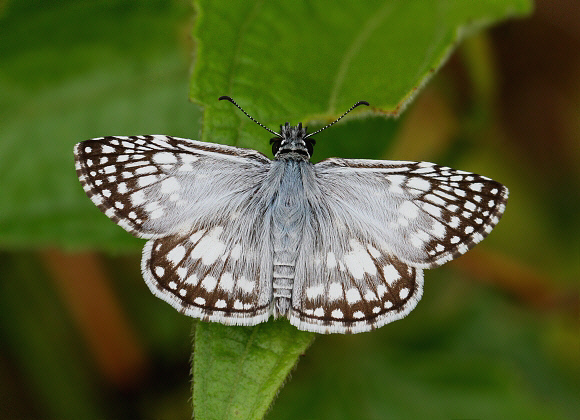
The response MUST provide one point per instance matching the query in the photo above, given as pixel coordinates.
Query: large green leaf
(303, 61)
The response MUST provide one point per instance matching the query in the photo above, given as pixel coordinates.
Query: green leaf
(238, 370)
(306, 61)
(86, 70)
(303, 61)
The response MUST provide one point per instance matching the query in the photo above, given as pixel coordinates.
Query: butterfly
(235, 237)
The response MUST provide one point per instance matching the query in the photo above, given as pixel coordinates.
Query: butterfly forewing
(422, 213)
(157, 185)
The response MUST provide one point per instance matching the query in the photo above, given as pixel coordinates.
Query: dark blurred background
(496, 334)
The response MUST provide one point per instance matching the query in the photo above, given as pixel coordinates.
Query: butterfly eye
(275, 142)
(310, 146)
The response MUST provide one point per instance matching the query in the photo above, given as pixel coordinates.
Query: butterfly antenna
(339, 118)
(227, 98)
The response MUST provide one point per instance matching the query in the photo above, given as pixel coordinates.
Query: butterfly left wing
(157, 185)
(373, 227)
(189, 199)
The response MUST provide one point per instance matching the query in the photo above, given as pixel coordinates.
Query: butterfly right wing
(203, 207)
(372, 227)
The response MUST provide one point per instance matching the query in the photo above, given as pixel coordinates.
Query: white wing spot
(370, 295)
(246, 285)
(452, 208)
(373, 251)
(419, 184)
(358, 315)
(226, 282)
(337, 314)
(209, 283)
(438, 230)
(209, 248)
(160, 271)
(192, 280)
(172, 285)
(144, 170)
(176, 254)
(454, 239)
(454, 222)
(382, 290)
(137, 198)
(391, 274)
(469, 229)
(220, 304)
(314, 291)
(470, 206)
(435, 199)
(319, 312)
(396, 181)
(164, 158)
(403, 293)
(199, 300)
(476, 187)
(146, 180)
(353, 296)
(197, 235)
(432, 210)
(358, 261)
(334, 291)
(169, 185)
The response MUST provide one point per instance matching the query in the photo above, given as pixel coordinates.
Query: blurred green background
(497, 333)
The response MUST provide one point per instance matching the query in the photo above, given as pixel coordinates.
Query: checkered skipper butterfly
(234, 237)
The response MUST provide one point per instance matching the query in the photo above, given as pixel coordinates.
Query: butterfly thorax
(292, 143)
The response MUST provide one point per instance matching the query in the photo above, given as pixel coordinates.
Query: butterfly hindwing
(213, 273)
(349, 285)
(153, 186)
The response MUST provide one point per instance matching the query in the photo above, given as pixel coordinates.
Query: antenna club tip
(227, 98)
(362, 103)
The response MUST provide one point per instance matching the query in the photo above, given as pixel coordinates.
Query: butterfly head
(292, 140)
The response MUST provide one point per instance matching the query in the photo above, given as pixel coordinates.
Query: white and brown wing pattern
(201, 206)
(155, 185)
(375, 225)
